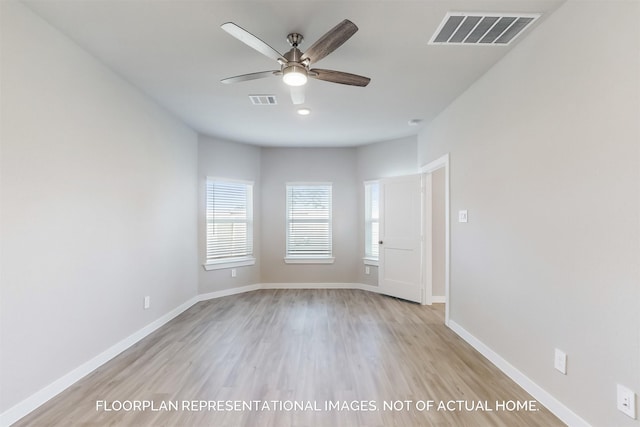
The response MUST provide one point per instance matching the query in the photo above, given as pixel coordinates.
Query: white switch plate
(560, 361)
(462, 216)
(626, 401)
(233, 272)
(147, 302)
(367, 270)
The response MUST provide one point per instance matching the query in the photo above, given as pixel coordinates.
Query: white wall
(336, 165)
(231, 160)
(544, 153)
(98, 207)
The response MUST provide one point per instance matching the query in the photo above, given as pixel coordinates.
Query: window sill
(229, 263)
(327, 260)
(370, 261)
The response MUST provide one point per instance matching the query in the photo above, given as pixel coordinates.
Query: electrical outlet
(626, 401)
(462, 216)
(147, 302)
(234, 273)
(560, 361)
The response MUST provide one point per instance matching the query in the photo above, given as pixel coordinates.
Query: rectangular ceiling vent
(485, 29)
(263, 99)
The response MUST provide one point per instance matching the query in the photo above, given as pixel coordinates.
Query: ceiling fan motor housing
(294, 72)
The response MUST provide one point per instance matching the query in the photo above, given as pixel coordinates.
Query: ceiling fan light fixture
(294, 75)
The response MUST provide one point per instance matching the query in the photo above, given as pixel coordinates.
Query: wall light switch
(560, 361)
(462, 216)
(367, 270)
(234, 273)
(626, 401)
(147, 302)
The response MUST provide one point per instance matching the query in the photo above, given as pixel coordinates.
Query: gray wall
(98, 207)
(336, 165)
(387, 159)
(438, 232)
(224, 159)
(270, 169)
(544, 153)
(100, 199)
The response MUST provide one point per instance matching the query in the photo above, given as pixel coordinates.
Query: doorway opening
(436, 231)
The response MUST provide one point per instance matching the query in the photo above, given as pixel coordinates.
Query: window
(229, 223)
(371, 221)
(309, 223)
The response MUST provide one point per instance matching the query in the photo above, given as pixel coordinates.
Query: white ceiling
(175, 52)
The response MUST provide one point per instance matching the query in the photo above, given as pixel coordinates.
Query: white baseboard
(551, 403)
(34, 401)
(228, 292)
(314, 286)
(360, 286)
(306, 285)
(257, 286)
(23, 408)
(435, 299)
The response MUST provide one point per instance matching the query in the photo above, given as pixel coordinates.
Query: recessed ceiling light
(304, 111)
(415, 122)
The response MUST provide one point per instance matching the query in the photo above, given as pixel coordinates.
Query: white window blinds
(229, 220)
(309, 221)
(371, 219)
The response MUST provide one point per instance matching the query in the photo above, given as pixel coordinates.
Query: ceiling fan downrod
(295, 39)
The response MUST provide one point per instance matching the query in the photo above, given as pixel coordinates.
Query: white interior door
(400, 237)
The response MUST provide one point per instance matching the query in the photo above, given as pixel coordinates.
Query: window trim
(369, 258)
(229, 263)
(308, 259)
(370, 261)
(236, 261)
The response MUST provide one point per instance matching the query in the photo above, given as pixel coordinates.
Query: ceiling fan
(295, 66)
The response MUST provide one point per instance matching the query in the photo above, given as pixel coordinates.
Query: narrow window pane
(371, 219)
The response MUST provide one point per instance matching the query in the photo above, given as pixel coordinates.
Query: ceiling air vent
(263, 99)
(489, 29)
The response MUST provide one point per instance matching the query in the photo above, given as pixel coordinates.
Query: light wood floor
(305, 347)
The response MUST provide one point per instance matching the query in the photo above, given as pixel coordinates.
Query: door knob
(380, 242)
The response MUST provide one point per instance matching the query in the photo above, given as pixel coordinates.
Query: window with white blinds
(229, 221)
(309, 221)
(371, 219)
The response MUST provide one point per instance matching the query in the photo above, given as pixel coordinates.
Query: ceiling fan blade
(252, 41)
(339, 77)
(297, 94)
(330, 41)
(252, 76)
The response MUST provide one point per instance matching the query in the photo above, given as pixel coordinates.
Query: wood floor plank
(351, 349)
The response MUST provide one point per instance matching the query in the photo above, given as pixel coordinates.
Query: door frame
(442, 162)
